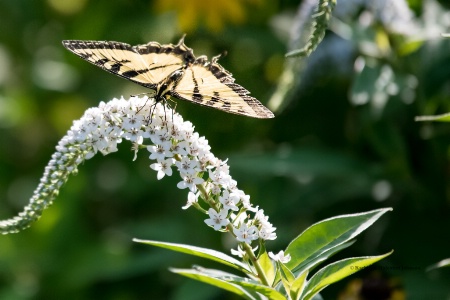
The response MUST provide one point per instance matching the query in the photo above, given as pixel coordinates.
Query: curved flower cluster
(174, 146)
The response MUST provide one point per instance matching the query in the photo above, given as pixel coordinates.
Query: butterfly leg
(152, 111)
(149, 95)
(140, 108)
(172, 105)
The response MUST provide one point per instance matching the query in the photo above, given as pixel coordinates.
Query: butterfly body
(172, 70)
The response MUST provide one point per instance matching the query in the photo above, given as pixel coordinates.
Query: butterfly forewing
(161, 61)
(114, 57)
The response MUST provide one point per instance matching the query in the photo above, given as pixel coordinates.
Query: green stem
(254, 260)
(207, 197)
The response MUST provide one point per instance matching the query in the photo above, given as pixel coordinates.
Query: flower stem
(254, 260)
(207, 197)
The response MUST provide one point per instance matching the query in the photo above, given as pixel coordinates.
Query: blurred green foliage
(344, 141)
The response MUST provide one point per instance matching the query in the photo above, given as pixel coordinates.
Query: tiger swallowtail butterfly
(172, 70)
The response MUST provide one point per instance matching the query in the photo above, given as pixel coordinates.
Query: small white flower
(160, 151)
(267, 232)
(229, 201)
(134, 135)
(246, 234)
(187, 166)
(189, 181)
(239, 219)
(245, 200)
(217, 219)
(215, 189)
(179, 147)
(161, 136)
(193, 148)
(132, 121)
(192, 198)
(218, 177)
(241, 252)
(261, 218)
(280, 257)
(163, 167)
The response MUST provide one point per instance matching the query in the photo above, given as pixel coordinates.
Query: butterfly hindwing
(152, 65)
(211, 85)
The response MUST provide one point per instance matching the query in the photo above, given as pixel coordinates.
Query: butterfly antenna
(181, 41)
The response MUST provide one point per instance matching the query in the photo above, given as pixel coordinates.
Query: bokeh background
(344, 140)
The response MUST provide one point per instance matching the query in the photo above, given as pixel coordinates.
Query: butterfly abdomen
(168, 84)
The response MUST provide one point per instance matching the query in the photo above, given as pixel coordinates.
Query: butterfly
(172, 70)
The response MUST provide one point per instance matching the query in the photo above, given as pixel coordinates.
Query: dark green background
(321, 156)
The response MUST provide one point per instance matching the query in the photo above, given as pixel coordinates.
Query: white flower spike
(171, 142)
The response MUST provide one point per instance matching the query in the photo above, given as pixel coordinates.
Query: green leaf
(293, 286)
(298, 285)
(336, 271)
(286, 273)
(247, 288)
(440, 118)
(269, 292)
(287, 278)
(266, 264)
(200, 252)
(312, 261)
(220, 283)
(326, 235)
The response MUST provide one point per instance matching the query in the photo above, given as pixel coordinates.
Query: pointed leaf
(266, 264)
(336, 271)
(220, 283)
(328, 234)
(287, 278)
(230, 281)
(314, 260)
(286, 273)
(298, 285)
(201, 252)
(441, 118)
(269, 292)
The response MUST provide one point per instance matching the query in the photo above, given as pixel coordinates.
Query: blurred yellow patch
(213, 14)
(67, 7)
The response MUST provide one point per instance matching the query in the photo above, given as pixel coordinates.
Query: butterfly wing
(146, 65)
(208, 83)
(163, 60)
